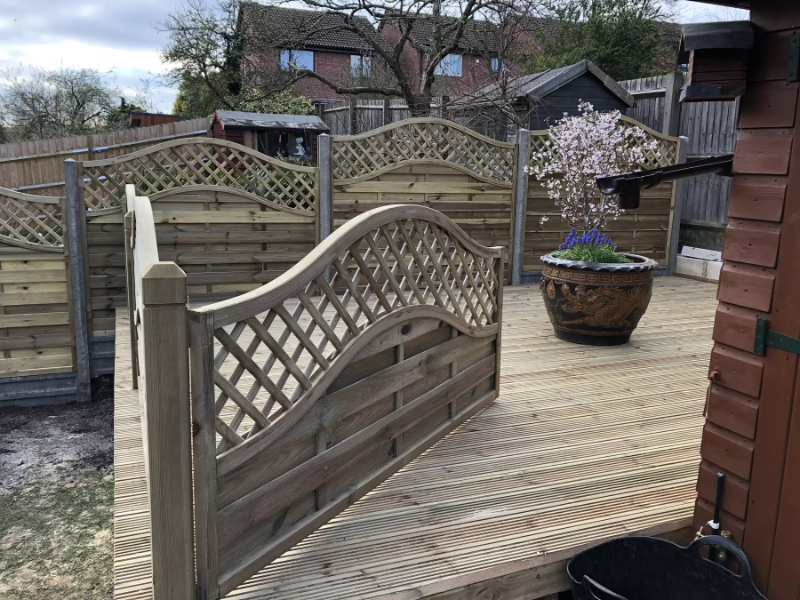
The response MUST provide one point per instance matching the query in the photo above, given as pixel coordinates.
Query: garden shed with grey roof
(544, 97)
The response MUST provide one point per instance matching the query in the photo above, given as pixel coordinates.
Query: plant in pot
(594, 293)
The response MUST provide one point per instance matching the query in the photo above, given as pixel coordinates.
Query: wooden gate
(230, 217)
(311, 390)
(431, 162)
(35, 336)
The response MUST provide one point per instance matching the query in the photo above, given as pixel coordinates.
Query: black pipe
(629, 185)
(718, 503)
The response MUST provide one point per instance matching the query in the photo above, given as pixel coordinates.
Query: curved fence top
(421, 140)
(32, 222)
(379, 270)
(189, 164)
(666, 153)
(396, 235)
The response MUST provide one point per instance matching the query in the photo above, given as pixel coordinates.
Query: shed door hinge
(773, 339)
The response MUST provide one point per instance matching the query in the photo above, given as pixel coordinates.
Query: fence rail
(37, 166)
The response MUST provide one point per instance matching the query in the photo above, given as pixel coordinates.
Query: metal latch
(793, 64)
(773, 339)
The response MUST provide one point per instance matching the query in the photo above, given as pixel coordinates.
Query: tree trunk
(419, 105)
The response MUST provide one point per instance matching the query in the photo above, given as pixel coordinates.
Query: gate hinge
(773, 339)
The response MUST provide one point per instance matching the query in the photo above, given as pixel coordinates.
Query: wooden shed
(146, 119)
(752, 433)
(542, 98)
(273, 135)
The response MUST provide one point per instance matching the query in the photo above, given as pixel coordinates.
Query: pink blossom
(581, 149)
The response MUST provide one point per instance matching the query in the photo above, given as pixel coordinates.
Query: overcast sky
(120, 36)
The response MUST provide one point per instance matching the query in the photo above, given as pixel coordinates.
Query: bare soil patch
(56, 500)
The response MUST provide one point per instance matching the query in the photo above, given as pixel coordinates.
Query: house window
(302, 59)
(450, 66)
(360, 66)
(497, 64)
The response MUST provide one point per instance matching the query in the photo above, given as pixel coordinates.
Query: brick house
(317, 41)
(313, 40)
(469, 67)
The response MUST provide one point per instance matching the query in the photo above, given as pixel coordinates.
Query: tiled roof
(479, 36)
(305, 28)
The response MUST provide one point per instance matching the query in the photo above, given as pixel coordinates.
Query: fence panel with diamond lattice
(230, 217)
(645, 230)
(35, 336)
(311, 390)
(430, 162)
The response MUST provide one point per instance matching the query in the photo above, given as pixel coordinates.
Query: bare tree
(434, 28)
(499, 103)
(232, 47)
(40, 104)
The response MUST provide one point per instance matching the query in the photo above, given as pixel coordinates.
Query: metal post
(74, 218)
(520, 205)
(167, 430)
(677, 209)
(324, 205)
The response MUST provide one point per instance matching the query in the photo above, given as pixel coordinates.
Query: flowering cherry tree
(581, 149)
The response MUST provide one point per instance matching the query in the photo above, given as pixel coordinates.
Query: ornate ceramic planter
(596, 303)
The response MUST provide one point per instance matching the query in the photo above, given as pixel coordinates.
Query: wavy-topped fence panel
(311, 390)
(421, 140)
(35, 336)
(429, 162)
(231, 218)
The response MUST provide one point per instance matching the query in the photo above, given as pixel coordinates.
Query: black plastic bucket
(644, 568)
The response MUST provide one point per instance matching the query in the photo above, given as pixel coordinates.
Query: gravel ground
(56, 500)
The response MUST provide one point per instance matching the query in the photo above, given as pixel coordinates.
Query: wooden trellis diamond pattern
(199, 163)
(265, 363)
(421, 140)
(30, 223)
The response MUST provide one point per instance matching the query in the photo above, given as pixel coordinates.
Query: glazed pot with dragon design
(596, 303)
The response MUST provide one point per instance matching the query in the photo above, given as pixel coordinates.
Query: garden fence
(233, 219)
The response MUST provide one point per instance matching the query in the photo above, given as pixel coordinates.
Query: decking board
(583, 444)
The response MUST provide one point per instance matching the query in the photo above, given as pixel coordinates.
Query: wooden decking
(583, 444)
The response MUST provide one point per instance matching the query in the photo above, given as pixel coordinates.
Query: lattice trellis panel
(664, 155)
(199, 162)
(31, 221)
(264, 363)
(421, 140)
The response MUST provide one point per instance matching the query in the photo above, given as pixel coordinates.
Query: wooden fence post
(677, 209)
(387, 110)
(325, 197)
(167, 425)
(352, 110)
(672, 105)
(520, 204)
(75, 215)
